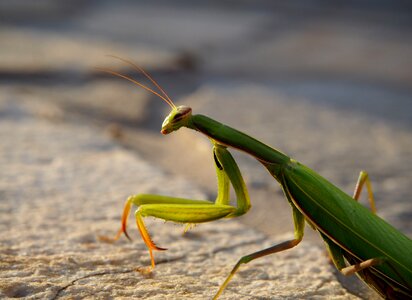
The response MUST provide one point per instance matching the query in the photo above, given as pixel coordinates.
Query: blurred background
(327, 82)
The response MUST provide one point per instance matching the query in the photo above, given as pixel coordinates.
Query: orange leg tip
(145, 235)
(144, 270)
(152, 246)
(106, 239)
(152, 261)
(127, 235)
(110, 240)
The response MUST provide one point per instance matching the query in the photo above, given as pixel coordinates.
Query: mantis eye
(177, 116)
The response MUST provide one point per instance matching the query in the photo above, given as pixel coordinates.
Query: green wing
(348, 223)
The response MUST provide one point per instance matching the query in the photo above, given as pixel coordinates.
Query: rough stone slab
(64, 184)
(61, 185)
(344, 151)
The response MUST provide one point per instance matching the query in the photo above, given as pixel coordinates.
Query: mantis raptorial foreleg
(362, 180)
(188, 210)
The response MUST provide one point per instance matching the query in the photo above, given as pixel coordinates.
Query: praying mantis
(358, 241)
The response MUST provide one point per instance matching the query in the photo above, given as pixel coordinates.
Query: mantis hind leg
(363, 269)
(338, 254)
(362, 180)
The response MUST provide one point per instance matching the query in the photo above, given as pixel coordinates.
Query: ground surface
(328, 85)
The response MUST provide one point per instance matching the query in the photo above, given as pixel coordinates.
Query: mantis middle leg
(299, 223)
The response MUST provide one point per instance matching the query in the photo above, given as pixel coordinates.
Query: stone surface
(63, 184)
(327, 84)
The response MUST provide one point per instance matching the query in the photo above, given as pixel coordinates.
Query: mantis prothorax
(357, 240)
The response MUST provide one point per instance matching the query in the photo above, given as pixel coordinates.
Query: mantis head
(178, 117)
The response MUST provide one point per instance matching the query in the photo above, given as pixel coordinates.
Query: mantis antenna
(164, 96)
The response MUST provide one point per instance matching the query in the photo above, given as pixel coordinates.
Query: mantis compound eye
(182, 112)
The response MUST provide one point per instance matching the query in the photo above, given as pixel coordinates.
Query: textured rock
(64, 184)
(328, 85)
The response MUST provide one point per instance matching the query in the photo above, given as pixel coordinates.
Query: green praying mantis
(358, 241)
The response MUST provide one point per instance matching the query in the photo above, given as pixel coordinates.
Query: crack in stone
(123, 271)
